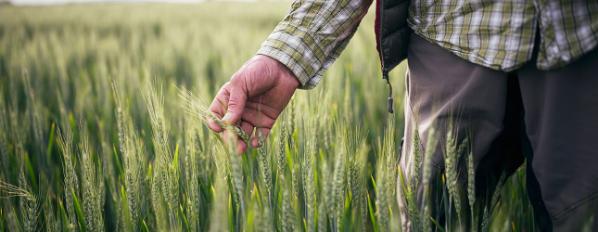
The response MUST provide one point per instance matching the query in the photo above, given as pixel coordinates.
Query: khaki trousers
(547, 118)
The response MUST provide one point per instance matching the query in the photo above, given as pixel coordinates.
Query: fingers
(230, 102)
(258, 118)
(247, 128)
(214, 126)
(256, 139)
(261, 121)
(259, 137)
(233, 139)
(236, 105)
(218, 107)
(241, 148)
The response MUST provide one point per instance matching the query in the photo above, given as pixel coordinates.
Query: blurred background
(94, 134)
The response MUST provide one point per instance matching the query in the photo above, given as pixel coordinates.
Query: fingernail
(241, 147)
(214, 126)
(227, 117)
(255, 143)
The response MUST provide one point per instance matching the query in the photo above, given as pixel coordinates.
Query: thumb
(236, 105)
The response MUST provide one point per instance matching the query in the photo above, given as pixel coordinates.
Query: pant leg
(561, 117)
(444, 88)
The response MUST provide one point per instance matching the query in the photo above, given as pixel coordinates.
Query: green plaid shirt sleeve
(312, 36)
(497, 34)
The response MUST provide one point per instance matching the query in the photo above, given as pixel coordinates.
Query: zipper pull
(389, 101)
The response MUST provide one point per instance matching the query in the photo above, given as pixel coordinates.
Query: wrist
(282, 71)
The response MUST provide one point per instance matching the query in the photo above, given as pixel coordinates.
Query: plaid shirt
(492, 33)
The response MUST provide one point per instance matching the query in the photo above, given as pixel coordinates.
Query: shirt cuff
(297, 49)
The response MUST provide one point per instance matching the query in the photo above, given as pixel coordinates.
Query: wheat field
(101, 129)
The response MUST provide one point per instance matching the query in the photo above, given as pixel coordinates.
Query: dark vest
(392, 36)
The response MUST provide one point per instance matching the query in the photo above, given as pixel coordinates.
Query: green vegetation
(101, 129)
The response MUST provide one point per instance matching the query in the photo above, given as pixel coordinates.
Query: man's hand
(254, 98)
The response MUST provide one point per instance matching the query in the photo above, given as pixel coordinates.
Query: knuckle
(233, 102)
(225, 86)
(239, 81)
(235, 79)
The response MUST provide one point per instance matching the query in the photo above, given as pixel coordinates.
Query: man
(516, 77)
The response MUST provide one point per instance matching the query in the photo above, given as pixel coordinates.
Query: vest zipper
(389, 100)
